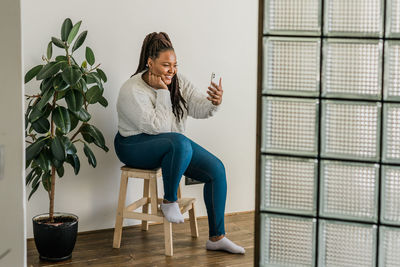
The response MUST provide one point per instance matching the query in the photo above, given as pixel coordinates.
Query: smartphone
(214, 78)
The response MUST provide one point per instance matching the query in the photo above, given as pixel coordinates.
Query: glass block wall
(328, 186)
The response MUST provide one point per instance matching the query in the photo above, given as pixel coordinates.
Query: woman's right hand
(156, 82)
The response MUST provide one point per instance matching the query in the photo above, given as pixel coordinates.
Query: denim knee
(180, 142)
(218, 171)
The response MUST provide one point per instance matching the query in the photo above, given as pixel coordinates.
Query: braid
(152, 46)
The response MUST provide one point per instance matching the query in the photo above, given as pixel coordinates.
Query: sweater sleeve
(150, 118)
(199, 107)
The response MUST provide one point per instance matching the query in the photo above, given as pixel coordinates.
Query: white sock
(224, 244)
(171, 212)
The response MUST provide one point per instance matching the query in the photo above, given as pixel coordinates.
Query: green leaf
(32, 73)
(61, 94)
(34, 149)
(74, 120)
(71, 75)
(73, 32)
(93, 94)
(82, 115)
(83, 85)
(74, 100)
(47, 110)
(30, 176)
(46, 181)
(46, 84)
(89, 154)
(57, 42)
(45, 98)
(61, 119)
(94, 77)
(59, 84)
(61, 58)
(48, 70)
(102, 74)
(89, 56)
(103, 102)
(64, 65)
(95, 133)
(60, 171)
(70, 148)
(66, 29)
(35, 186)
(75, 163)
(87, 137)
(44, 160)
(35, 114)
(49, 50)
(57, 149)
(56, 163)
(79, 41)
(84, 64)
(42, 125)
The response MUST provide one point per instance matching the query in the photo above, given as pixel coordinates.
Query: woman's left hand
(215, 93)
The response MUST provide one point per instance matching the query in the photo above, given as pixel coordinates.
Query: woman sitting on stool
(152, 109)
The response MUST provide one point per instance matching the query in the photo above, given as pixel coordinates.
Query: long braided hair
(153, 45)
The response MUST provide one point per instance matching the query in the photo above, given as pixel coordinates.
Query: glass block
(393, 18)
(346, 244)
(392, 70)
(291, 66)
(390, 197)
(350, 129)
(352, 69)
(353, 18)
(287, 240)
(389, 246)
(349, 190)
(289, 185)
(298, 17)
(290, 125)
(391, 133)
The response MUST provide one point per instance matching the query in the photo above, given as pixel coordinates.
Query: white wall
(219, 36)
(12, 201)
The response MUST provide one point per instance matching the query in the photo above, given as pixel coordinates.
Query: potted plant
(56, 120)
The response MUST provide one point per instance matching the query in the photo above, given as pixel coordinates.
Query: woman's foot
(224, 244)
(172, 212)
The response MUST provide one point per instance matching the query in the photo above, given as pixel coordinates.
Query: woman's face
(165, 66)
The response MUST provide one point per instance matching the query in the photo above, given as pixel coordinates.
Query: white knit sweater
(143, 109)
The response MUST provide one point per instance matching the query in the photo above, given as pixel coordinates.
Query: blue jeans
(177, 155)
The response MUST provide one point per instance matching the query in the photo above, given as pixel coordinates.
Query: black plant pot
(55, 241)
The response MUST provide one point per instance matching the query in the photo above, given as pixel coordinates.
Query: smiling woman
(152, 109)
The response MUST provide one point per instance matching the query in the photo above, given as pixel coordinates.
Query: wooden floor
(140, 248)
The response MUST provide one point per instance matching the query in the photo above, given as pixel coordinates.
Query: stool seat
(150, 197)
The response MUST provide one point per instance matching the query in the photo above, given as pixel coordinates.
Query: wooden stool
(150, 196)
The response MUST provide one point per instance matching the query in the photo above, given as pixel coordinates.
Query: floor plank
(140, 248)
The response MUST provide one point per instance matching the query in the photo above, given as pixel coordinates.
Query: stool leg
(169, 250)
(153, 195)
(121, 206)
(193, 222)
(145, 209)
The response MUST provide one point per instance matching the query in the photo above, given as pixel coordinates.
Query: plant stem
(53, 185)
(68, 57)
(78, 140)
(32, 96)
(76, 133)
(91, 69)
(53, 169)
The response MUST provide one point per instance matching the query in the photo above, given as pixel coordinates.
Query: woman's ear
(149, 63)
